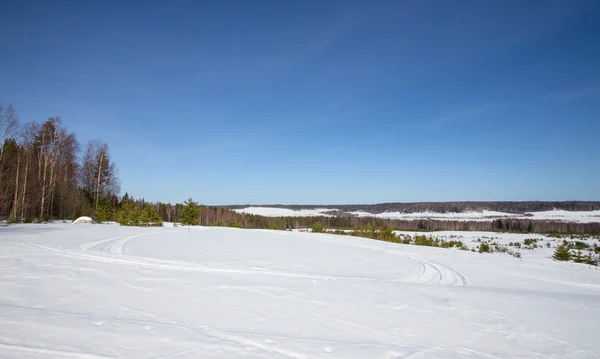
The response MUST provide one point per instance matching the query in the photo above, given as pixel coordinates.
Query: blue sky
(319, 102)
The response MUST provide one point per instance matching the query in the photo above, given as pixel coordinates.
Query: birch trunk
(98, 181)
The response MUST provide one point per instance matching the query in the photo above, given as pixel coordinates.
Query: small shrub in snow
(590, 259)
(579, 245)
(484, 248)
(562, 253)
(578, 257)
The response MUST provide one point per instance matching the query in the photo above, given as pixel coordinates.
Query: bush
(529, 241)
(484, 248)
(423, 240)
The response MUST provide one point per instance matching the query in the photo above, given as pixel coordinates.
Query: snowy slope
(569, 216)
(555, 215)
(108, 291)
(463, 216)
(284, 212)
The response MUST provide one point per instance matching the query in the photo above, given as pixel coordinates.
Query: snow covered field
(284, 212)
(98, 291)
(555, 215)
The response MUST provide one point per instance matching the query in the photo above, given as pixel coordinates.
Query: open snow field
(483, 216)
(285, 212)
(104, 291)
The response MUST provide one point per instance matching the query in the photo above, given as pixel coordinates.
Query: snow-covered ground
(556, 215)
(284, 212)
(463, 216)
(569, 216)
(98, 291)
(540, 246)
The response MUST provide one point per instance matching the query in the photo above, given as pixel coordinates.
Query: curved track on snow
(114, 250)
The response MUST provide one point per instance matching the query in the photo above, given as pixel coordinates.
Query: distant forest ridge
(447, 207)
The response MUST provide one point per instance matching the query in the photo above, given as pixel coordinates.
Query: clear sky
(319, 101)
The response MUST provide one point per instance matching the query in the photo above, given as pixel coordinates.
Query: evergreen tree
(387, 233)
(317, 227)
(562, 253)
(105, 210)
(126, 207)
(590, 259)
(578, 257)
(190, 213)
(150, 217)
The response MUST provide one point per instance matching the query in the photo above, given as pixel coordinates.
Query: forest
(47, 174)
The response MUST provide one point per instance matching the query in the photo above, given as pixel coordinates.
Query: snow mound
(83, 220)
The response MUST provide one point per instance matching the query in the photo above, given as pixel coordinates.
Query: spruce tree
(578, 257)
(317, 227)
(127, 207)
(190, 213)
(150, 217)
(562, 253)
(589, 259)
(105, 210)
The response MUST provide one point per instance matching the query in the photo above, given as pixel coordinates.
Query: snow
(462, 216)
(483, 216)
(83, 219)
(570, 216)
(178, 292)
(284, 212)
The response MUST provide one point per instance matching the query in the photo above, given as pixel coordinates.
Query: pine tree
(317, 227)
(190, 213)
(562, 253)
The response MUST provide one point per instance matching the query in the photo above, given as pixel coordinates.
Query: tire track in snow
(138, 262)
(96, 245)
(434, 273)
(114, 245)
(427, 272)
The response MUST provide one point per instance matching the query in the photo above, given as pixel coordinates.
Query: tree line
(218, 216)
(46, 173)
